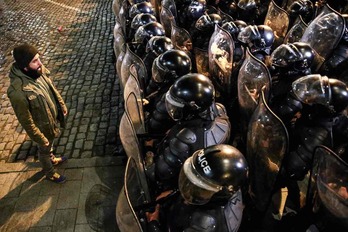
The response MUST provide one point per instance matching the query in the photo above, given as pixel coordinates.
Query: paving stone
(45, 211)
(69, 199)
(64, 220)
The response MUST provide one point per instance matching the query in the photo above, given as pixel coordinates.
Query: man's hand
(151, 216)
(65, 111)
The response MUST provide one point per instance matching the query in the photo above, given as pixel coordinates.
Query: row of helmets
(235, 45)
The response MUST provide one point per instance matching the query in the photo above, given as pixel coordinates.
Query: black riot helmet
(232, 29)
(218, 169)
(159, 44)
(240, 24)
(142, 7)
(189, 96)
(248, 4)
(257, 38)
(297, 56)
(316, 89)
(142, 19)
(170, 65)
(195, 9)
(207, 23)
(145, 32)
(301, 7)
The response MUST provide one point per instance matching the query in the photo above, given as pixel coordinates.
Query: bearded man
(39, 107)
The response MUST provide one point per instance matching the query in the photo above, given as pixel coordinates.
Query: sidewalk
(86, 202)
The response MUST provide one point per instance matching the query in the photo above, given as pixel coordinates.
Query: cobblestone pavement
(74, 38)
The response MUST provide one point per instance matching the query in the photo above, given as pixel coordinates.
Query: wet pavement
(75, 41)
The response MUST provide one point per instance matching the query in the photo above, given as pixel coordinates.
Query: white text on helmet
(203, 162)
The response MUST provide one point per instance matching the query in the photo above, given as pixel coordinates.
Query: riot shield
(167, 19)
(253, 75)
(296, 31)
(287, 3)
(132, 194)
(323, 34)
(119, 61)
(129, 59)
(267, 144)
(171, 6)
(133, 148)
(181, 39)
(329, 186)
(202, 61)
(116, 7)
(133, 102)
(225, 17)
(221, 47)
(123, 15)
(277, 19)
(119, 39)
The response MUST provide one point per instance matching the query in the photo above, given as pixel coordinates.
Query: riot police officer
(139, 20)
(145, 33)
(210, 197)
(259, 39)
(201, 122)
(320, 100)
(288, 63)
(166, 68)
(155, 47)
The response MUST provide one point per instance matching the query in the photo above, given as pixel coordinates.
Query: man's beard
(33, 73)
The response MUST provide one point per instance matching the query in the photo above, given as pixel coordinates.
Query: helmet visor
(312, 89)
(194, 188)
(158, 72)
(174, 107)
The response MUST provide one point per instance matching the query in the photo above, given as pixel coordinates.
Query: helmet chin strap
(209, 114)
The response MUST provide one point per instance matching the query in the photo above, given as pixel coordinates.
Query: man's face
(35, 66)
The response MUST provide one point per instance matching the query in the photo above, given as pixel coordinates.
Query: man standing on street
(38, 106)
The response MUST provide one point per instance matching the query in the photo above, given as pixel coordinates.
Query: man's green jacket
(31, 106)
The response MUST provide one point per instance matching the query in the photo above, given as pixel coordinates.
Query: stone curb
(71, 163)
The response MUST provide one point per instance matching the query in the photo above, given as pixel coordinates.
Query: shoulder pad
(218, 133)
(201, 221)
(187, 136)
(221, 109)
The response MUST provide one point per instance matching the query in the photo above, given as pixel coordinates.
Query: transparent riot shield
(296, 31)
(277, 19)
(323, 34)
(132, 147)
(225, 17)
(167, 19)
(170, 5)
(130, 58)
(119, 61)
(287, 3)
(323, 9)
(221, 47)
(329, 186)
(133, 102)
(202, 61)
(123, 15)
(119, 39)
(181, 39)
(253, 75)
(267, 144)
(116, 7)
(132, 194)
